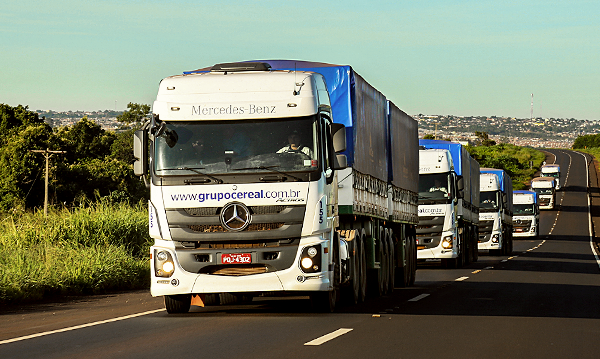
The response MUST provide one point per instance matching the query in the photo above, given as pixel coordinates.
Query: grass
(96, 249)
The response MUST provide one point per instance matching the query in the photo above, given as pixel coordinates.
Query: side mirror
(140, 152)
(341, 162)
(338, 132)
(460, 187)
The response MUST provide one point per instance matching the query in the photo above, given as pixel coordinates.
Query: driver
(295, 145)
(438, 187)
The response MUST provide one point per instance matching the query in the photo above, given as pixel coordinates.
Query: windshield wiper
(218, 180)
(268, 168)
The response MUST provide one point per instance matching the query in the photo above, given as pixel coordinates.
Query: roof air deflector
(241, 66)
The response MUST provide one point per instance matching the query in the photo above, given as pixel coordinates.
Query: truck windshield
(219, 147)
(434, 188)
(550, 174)
(488, 201)
(545, 191)
(523, 209)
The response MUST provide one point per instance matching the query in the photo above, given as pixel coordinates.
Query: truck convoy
(495, 211)
(554, 172)
(448, 204)
(545, 187)
(278, 176)
(526, 214)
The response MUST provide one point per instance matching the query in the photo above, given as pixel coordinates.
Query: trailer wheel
(402, 275)
(384, 268)
(391, 261)
(355, 272)
(413, 260)
(363, 267)
(178, 303)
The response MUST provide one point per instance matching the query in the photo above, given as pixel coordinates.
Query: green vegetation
(95, 249)
(95, 238)
(513, 159)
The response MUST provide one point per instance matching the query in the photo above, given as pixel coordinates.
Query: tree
(429, 136)
(483, 139)
(85, 140)
(13, 118)
(21, 171)
(136, 114)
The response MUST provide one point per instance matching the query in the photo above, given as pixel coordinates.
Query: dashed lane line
(327, 337)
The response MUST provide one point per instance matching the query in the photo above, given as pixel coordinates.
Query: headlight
(532, 229)
(163, 264)
(310, 259)
(495, 238)
(447, 242)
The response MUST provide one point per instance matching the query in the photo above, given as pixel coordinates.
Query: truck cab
(448, 204)
(545, 187)
(552, 171)
(526, 214)
(495, 211)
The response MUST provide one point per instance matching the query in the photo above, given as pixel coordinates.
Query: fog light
(447, 242)
(163, 264)
(306, 263)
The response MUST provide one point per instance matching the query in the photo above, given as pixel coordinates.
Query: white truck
(545, 187)
(448, 204)
(526, 214)
(553, 171)
(278, 176)
(495, 211)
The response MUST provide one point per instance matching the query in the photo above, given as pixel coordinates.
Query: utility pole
(47, 153)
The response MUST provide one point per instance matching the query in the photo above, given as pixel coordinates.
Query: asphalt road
(543, 301)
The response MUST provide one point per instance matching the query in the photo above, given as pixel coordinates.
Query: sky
(434, 57)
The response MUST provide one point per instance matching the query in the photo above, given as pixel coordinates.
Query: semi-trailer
(526, 214)
(283, 177)
(545, 187)
(448, 204)
(495, 211)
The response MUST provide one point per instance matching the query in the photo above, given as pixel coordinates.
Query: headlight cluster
(532, 230)
(310, 260)
(163, 264)
(447, 242)
(495, 238)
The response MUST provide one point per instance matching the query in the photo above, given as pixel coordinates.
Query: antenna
(531, 113)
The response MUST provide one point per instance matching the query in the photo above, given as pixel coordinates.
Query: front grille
(213, 211)
(256, 227)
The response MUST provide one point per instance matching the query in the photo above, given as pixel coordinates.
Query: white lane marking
(327, 337)
(590, 226)
(461, 279)
(37, 335)
(419, 297)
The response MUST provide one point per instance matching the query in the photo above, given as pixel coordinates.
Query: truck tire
(352, 293)
(391, 261)
(413, 260)
(324, 302)
(375, 275)
(363, 267)
(178, 303)
(384, 270)
(404, 270)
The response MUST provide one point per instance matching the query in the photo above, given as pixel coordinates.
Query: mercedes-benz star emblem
(235, 216)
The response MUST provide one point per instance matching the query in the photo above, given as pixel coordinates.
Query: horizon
(471, 58)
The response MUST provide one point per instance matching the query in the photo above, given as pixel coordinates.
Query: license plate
(236, 258)
(518, 229)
